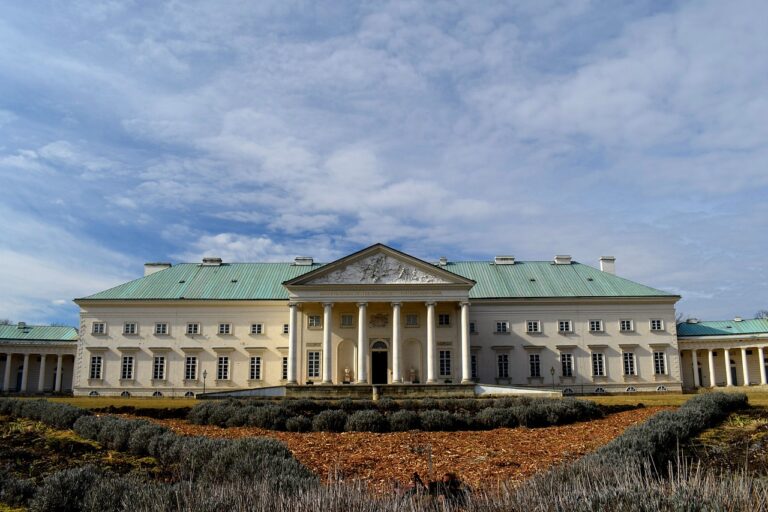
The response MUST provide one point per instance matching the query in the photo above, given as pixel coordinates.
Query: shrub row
(61, 416)
(304, 415)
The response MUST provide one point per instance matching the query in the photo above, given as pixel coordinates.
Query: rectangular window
(222, 368)
(567, 362)
(502, 327)
(472, 328)
(502, 366)
(225, 328)
(629, 363)
(257, 328)
(96, 366)
(473, 365)
(193, 328)
(412, 320)
(659, 363)
(314, 321)
(598, 365)
(190, 368)
(534, 361)
(564, 326)
(347, 321)
(158, 368)
(533, 326)
(286, 328)
(284, 371)
(161, 328)
(254, 372)
(443, 320)
(626, 325)
(313, 364)
(129, 328)
(126, 372)
(99, 328)
(657, 325)
(595, 326)
(445, 363)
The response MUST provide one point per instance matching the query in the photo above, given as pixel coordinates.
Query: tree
(6, 321)
(763, 313)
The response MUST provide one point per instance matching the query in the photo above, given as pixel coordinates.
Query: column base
(327, 382)
(364, 382)
(467, 381)
(431, 381)
(291, 383)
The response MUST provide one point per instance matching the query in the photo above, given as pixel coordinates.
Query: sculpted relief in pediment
(378, 269)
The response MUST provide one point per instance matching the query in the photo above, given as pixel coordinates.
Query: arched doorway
(379, 362)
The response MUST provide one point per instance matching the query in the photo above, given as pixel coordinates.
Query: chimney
(608, 264)
(692, 321)
(562, 259)
(738, 319)
(504, 260)
(443, 261)
(22, 325)
(303, 261)
(151, 268)
(212, 262)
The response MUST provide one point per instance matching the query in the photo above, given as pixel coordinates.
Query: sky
(133, 132)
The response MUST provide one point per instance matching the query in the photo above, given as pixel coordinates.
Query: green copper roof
(263, 281)
(38, 333)
(723, 327)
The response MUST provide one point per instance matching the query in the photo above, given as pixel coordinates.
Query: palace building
(378, 316)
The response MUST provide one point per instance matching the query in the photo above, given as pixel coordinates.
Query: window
(161, 328)
(126, 371)
(598, 365)
(564, 326)
(533, 326)
(629, 363)
(254, 372)
(257, 328)
(502, 363)
(473, 365)
(595, 326)
(129, 328)
(626, 325)
(567, 362)
(284, 371)
(534, 361)
(659, 363)
(443, 320)
(314, 321)
(222, 368)
(99, 328)
(96, 366)
(445, 363)
(286, 328)
(411, 320)
(225, 328)
(657, 324)
(347, 321)
(313, 364)
(158, 368)
(193, 328)
(502, 327)
(190, 368)
(472, 328)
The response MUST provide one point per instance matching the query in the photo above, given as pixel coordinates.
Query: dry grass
(758, 397)
(98, 402)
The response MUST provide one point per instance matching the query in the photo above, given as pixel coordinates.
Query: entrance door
(379, 367)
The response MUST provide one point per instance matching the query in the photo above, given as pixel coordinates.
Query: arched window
(661, 389)
(379, 345)
(599, 391)
(631, 389)
(125, 394)
(157, 393)
(567, 391)
(189, 394)
(93, 393)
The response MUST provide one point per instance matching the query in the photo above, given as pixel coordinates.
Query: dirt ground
(480, 458)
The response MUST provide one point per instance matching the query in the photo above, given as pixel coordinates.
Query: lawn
(99, 402)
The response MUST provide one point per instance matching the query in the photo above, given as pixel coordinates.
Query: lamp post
(552, 373)
(205, 374)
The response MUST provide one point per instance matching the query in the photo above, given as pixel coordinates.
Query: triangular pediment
(379, 265)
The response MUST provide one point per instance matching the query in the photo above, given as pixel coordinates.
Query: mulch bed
(479, 458)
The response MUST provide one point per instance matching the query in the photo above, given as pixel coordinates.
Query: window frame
(314, 321)
(255, 367)
(600, 326)
(533, 327)
(257, 329)
(158, 368)
(101, 330)
(443, 319)
(96, 368)
(629, 362)
(444, 362)
(127, 367)
(502, 366)
(225, 329)
(190, 363)
(286, 328)
(598, 363)
(162, 332)
(193, 328)
(534, 365)
(566, 364)
(660, 363)
(661, 324)
(313, 364)
(502, 327)
(284, 368)
(350, 325)
(132, 331)
(222, 368)
(630, 326)
(412, 324)
(473, 370)
(560, 326)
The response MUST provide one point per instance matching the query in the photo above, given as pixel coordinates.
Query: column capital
(398, 304)
(328, 304)
(293, 304)
(362, 304)
(430, 303)
(463, 303)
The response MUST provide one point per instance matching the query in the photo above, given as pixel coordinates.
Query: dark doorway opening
(379, 367)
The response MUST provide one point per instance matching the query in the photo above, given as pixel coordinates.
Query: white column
(362, 343)
(292, 342)
(761, 355)
(712, 368)
(396, 370)
(431, 344)
(7, 374)
(728, 376)
(41, 378)
(327, 326)
(695, 363)
(466, 366)
(744, 367)
(59, 371)
(25, 374)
